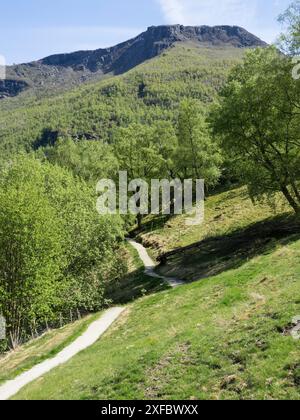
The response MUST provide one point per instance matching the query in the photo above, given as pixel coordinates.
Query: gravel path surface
(92, 334)
(150, 265)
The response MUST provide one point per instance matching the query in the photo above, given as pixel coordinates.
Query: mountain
(63, 71)
(150, 92)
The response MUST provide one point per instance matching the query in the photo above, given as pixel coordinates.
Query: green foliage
(143, 153)
(137, 153)
(258, 121)
(290, 40)
(197, 156)
(90, 160)
(56, 252)
(151, 92)
(30, 257)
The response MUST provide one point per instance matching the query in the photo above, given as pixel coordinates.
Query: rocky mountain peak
(213, 35)
(67, 70)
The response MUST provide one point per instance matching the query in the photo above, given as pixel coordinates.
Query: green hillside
(151, 92)
(218, 113)
(225, 337)
(222, 337)
(234, 230)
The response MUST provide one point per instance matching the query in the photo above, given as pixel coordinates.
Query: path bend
(150, 264)
(87, 339)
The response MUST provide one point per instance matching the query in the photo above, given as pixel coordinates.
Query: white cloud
(245, 13)
(174, 11)
(208, 12)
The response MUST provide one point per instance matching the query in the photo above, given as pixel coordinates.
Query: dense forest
(222, 114)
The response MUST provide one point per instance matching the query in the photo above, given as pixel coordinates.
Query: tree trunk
(139, 219)
(172, 202)
(295, 189)
(290, 199)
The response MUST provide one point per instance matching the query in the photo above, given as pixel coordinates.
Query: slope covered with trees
(152, 92)
(58, 256)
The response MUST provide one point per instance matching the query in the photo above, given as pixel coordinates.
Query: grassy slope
(234, 230)
(135, 285)
(224, 212)
(219, 338)
(34, 352)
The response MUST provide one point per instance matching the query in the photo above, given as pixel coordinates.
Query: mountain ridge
(71, 69)
(159, 38)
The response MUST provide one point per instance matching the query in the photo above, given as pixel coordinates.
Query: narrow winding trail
(150, 265)
(92, 334)
(87, 339)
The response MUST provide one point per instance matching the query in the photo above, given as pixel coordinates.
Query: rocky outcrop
(149, 44)
(10, 88)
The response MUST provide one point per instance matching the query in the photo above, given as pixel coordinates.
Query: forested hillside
(150, 93)
(75, 139)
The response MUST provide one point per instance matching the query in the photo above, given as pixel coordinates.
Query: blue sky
(33, 29)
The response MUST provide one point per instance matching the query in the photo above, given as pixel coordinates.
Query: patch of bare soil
(157, 376)
(154, 242)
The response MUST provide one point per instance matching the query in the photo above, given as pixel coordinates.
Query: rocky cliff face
(149, 44)
(10, 88)
(67, 70)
